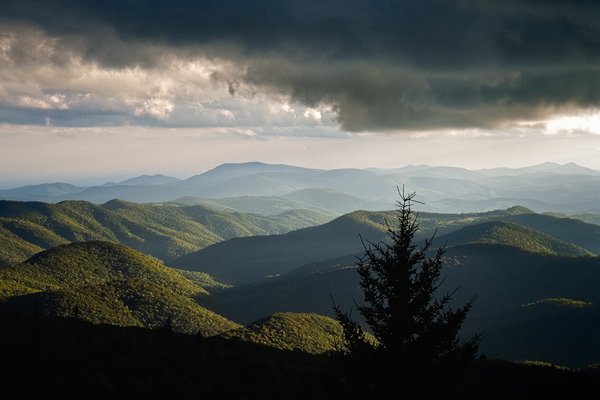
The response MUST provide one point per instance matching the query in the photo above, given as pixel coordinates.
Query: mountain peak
(117, 204)
(254, 166)
(572, 168)
(548, 164)
(518, 210)
(147, 180)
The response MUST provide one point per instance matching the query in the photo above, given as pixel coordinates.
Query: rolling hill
(528, 304)
(324, 201)
(523, 278)
(299, 292)
(334, 201)
(265, 205)
(566, 229)
(511, 234)
(243, 260)
(311, 333)
(528, 270)
(108, 283)
(157, 179)
(164, 231)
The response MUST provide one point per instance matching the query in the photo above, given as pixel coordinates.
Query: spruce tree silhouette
(416, 332)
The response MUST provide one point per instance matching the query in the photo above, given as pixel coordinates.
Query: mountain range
(531, 274)
(164, 231)
(243, 260)
(273, 188)
(270, 279)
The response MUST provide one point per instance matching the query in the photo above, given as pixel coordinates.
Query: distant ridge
(145, 180)
(235, 170)
(44, 191)
(547, 167)
(547, 187)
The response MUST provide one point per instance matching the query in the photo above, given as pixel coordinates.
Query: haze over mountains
(530, 271)
(273, 188)
(254, 252)
(202, 176)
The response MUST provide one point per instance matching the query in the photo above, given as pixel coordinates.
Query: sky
(110, 89)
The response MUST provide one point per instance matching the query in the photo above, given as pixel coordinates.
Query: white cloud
(313, 114)
(159, 108)
(588, 122)
(44, 102)
(284, 107)
(180, 90)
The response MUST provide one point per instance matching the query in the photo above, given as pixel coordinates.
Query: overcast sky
(117, 88)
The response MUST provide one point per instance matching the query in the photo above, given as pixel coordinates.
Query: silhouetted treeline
(72, 358)
(68, 357)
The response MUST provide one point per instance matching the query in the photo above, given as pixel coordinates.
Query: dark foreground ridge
(68, 357)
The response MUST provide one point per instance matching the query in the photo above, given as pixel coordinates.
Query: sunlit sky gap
(114, 89)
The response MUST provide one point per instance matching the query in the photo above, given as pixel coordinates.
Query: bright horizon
(92, 156)
(135, 88)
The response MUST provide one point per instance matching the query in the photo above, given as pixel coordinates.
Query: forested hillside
(243, 260)
(164, 231)
(531, 272)
(108, 283)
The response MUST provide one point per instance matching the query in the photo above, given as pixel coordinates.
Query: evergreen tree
(416, 331)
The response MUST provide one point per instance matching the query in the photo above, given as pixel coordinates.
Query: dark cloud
(387, 98)
(382, 64)
(432, 34)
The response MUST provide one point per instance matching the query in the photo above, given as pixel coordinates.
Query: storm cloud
(379, 65)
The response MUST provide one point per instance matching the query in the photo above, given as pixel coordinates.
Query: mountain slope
(265, 205)
(311, 333)
(128, 302)
(307, 291)
(334, 201)
(108, 283)
(582, 234)
(226, 180)
(320, 200)
(243, 260)
(514, 306)
(93, 263)
(42, 192)
(248, 259)
(157, 179)
(228, 171)
(511, 234)
(165, 231)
